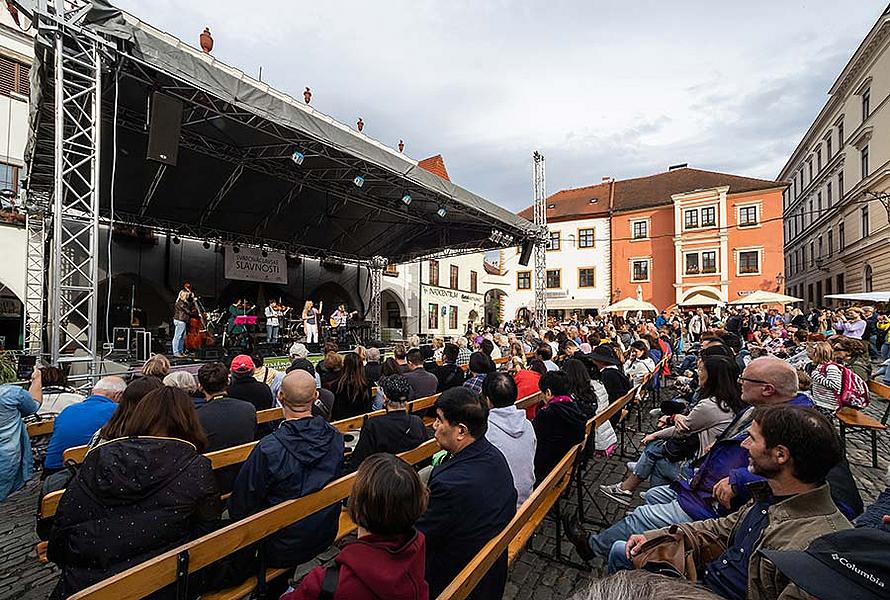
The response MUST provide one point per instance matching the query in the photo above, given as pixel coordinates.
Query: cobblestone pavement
(532, 576)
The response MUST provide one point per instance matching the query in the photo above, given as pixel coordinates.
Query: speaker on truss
(163, 132)
(526, 254)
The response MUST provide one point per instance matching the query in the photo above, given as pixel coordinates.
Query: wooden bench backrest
(879, 389)
(160, 571)
(38, 428)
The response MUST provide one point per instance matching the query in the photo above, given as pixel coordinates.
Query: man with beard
(793, 448)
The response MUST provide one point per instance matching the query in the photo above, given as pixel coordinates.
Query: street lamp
(780, 279)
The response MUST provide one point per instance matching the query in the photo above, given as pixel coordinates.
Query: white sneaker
(615, 492)
(631, 465)
(655, 412)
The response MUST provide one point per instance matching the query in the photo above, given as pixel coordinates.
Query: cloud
(601, 88)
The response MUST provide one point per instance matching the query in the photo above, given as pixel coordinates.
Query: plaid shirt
(463, 357)
(475, 383)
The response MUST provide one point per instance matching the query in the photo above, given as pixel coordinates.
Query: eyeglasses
(760, 381)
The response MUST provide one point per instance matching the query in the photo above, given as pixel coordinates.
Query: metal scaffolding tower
(377, 265)
(35, 278)
(540, 242)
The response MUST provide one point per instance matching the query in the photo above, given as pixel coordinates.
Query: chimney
(606, 179)
(679, 166)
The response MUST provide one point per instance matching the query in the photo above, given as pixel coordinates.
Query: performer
(339, 320)
(273, 313)
(311, 318)
(182, 308)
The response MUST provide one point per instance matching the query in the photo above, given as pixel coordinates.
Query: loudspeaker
(163, 133)
(525, 256)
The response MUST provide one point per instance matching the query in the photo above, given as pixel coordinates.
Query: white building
(578, 258)
(836, 229)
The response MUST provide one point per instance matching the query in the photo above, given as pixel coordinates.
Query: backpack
(854, 392)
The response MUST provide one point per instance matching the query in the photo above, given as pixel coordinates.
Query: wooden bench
(882, 392)
(39, 428)
(850, 418)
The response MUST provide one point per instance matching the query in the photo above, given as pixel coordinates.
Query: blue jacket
(300, 457)
(76, 425)
(15, 445)
(472, 499)
(725, 458)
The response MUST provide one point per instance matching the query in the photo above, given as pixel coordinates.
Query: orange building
(695, 238)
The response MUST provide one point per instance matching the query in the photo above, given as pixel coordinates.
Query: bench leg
(874, 448)
(843, 439)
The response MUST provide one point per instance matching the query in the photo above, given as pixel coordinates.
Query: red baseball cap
(242, 363)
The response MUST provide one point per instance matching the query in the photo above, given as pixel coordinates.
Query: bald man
(77, 423)
(300, 457)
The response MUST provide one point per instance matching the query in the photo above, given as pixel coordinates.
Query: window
(830, 242)
(391, 269)
(9, 177)
(839, 280)
(523, 280)
(749, 262)
(434, 272)
(812, 253)
(692, 264)
(828, 286)
(818, 160)
(690, 219)
(747, 216)
(841, 240)
(554, 278)
(554, 241)
(840, 137)
(810, 213)
(452, 317)
(868, 278)
(709, 216)
(586, 277)
(639, 230)
(640, 270)
(828, 193)
(819, 245)
(810, 293)
(840, 186)
(828, 146)
(818, 204)
(585, 238)
(794, 179)
(810, 168)
(819, 290)
(14, 77)
(433, 317)
(454, 277)
(863, 161)
(866, 103)
(864, 221)
(474, 282)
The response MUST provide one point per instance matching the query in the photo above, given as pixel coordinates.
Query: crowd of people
(743, 467)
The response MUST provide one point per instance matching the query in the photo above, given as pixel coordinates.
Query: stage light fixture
(442, 212)
(297, 157)
(359, 181)
(235, 249)
(406, 199)
(206, 245)
(176, 239)
(264, 253)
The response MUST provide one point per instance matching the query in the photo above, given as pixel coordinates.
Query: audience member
(643, 585)
(352, 391)
(135, 391)
(157, 365)
(422, 382)
(373, 367)
(76, 424)
(243, 386)
(400, 352)
(387, 558)
(324, 404)
(544, 353)
(449, 374)
(186, 382)
(527, 384)
(16, 462)
(471, 496)
(559, 423)
(136, 496)
(510, 432)
(480, 367)
(57, 395)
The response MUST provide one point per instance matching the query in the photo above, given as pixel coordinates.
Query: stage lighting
(297, 157)
(359, 181)
(236, 249)
(206, 245)
(406, 199)
(264, 253)
(442, 212)
(176, 240)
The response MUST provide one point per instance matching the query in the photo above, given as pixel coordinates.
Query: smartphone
(25, 367)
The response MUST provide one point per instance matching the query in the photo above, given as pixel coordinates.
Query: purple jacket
(726, 458)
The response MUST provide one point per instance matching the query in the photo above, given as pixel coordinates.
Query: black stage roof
(235, 180)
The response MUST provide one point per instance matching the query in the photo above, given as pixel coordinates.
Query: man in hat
(244, 386)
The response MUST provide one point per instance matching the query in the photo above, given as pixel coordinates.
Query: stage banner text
(249, 264)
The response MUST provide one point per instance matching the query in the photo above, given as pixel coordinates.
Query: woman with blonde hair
(517, 352)
(156, 366)
(311, 317)
(826, 377)
(438, 347)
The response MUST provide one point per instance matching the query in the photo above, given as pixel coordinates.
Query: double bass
(198, 333)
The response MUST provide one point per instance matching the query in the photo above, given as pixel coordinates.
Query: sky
(619, 88)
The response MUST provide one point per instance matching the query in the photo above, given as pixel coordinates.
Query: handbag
(681, 552)
(678, 449)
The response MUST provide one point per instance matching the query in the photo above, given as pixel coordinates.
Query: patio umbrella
(630, 305)
(766, 297)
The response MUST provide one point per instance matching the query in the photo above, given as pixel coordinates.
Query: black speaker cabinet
(527, 247)
(163, 132)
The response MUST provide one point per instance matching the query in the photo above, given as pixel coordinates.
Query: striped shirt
(826, 387)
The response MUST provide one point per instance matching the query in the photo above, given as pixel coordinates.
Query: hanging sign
(249, 264)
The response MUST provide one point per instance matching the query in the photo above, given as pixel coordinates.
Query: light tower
(541, 242)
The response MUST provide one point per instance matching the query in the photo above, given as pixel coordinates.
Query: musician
(274, 311)
(182, 308)
(311, 318)
(240, 307)
(339, 320)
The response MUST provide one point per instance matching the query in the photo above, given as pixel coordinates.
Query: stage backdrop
(249, 264)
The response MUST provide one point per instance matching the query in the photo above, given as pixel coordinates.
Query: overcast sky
(618, 88)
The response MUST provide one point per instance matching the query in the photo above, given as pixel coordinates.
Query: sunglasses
(760, 381)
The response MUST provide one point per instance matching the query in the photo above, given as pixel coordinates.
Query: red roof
(642, 192)
(435, 165)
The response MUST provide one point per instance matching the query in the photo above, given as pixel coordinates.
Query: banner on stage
(249, 264)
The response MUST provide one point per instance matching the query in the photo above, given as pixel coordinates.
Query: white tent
(701, 300)
(630, 305)
(766, 297)
(863, 297)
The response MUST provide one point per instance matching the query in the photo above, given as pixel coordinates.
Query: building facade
(689, 237)
(835, 223)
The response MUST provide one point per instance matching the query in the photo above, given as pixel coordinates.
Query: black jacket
(449, 375)
(132, 499)
(348, 405)
(615, 381)
(471, 500)
(300, 457)
(393, 432)
(227, 422)
(245, 387)
(558, 426)
(372, 372)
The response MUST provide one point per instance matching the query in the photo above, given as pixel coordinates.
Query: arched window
(868, 277)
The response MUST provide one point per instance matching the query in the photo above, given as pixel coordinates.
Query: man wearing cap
(793, 448)
(394, 432)
(243, 385)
